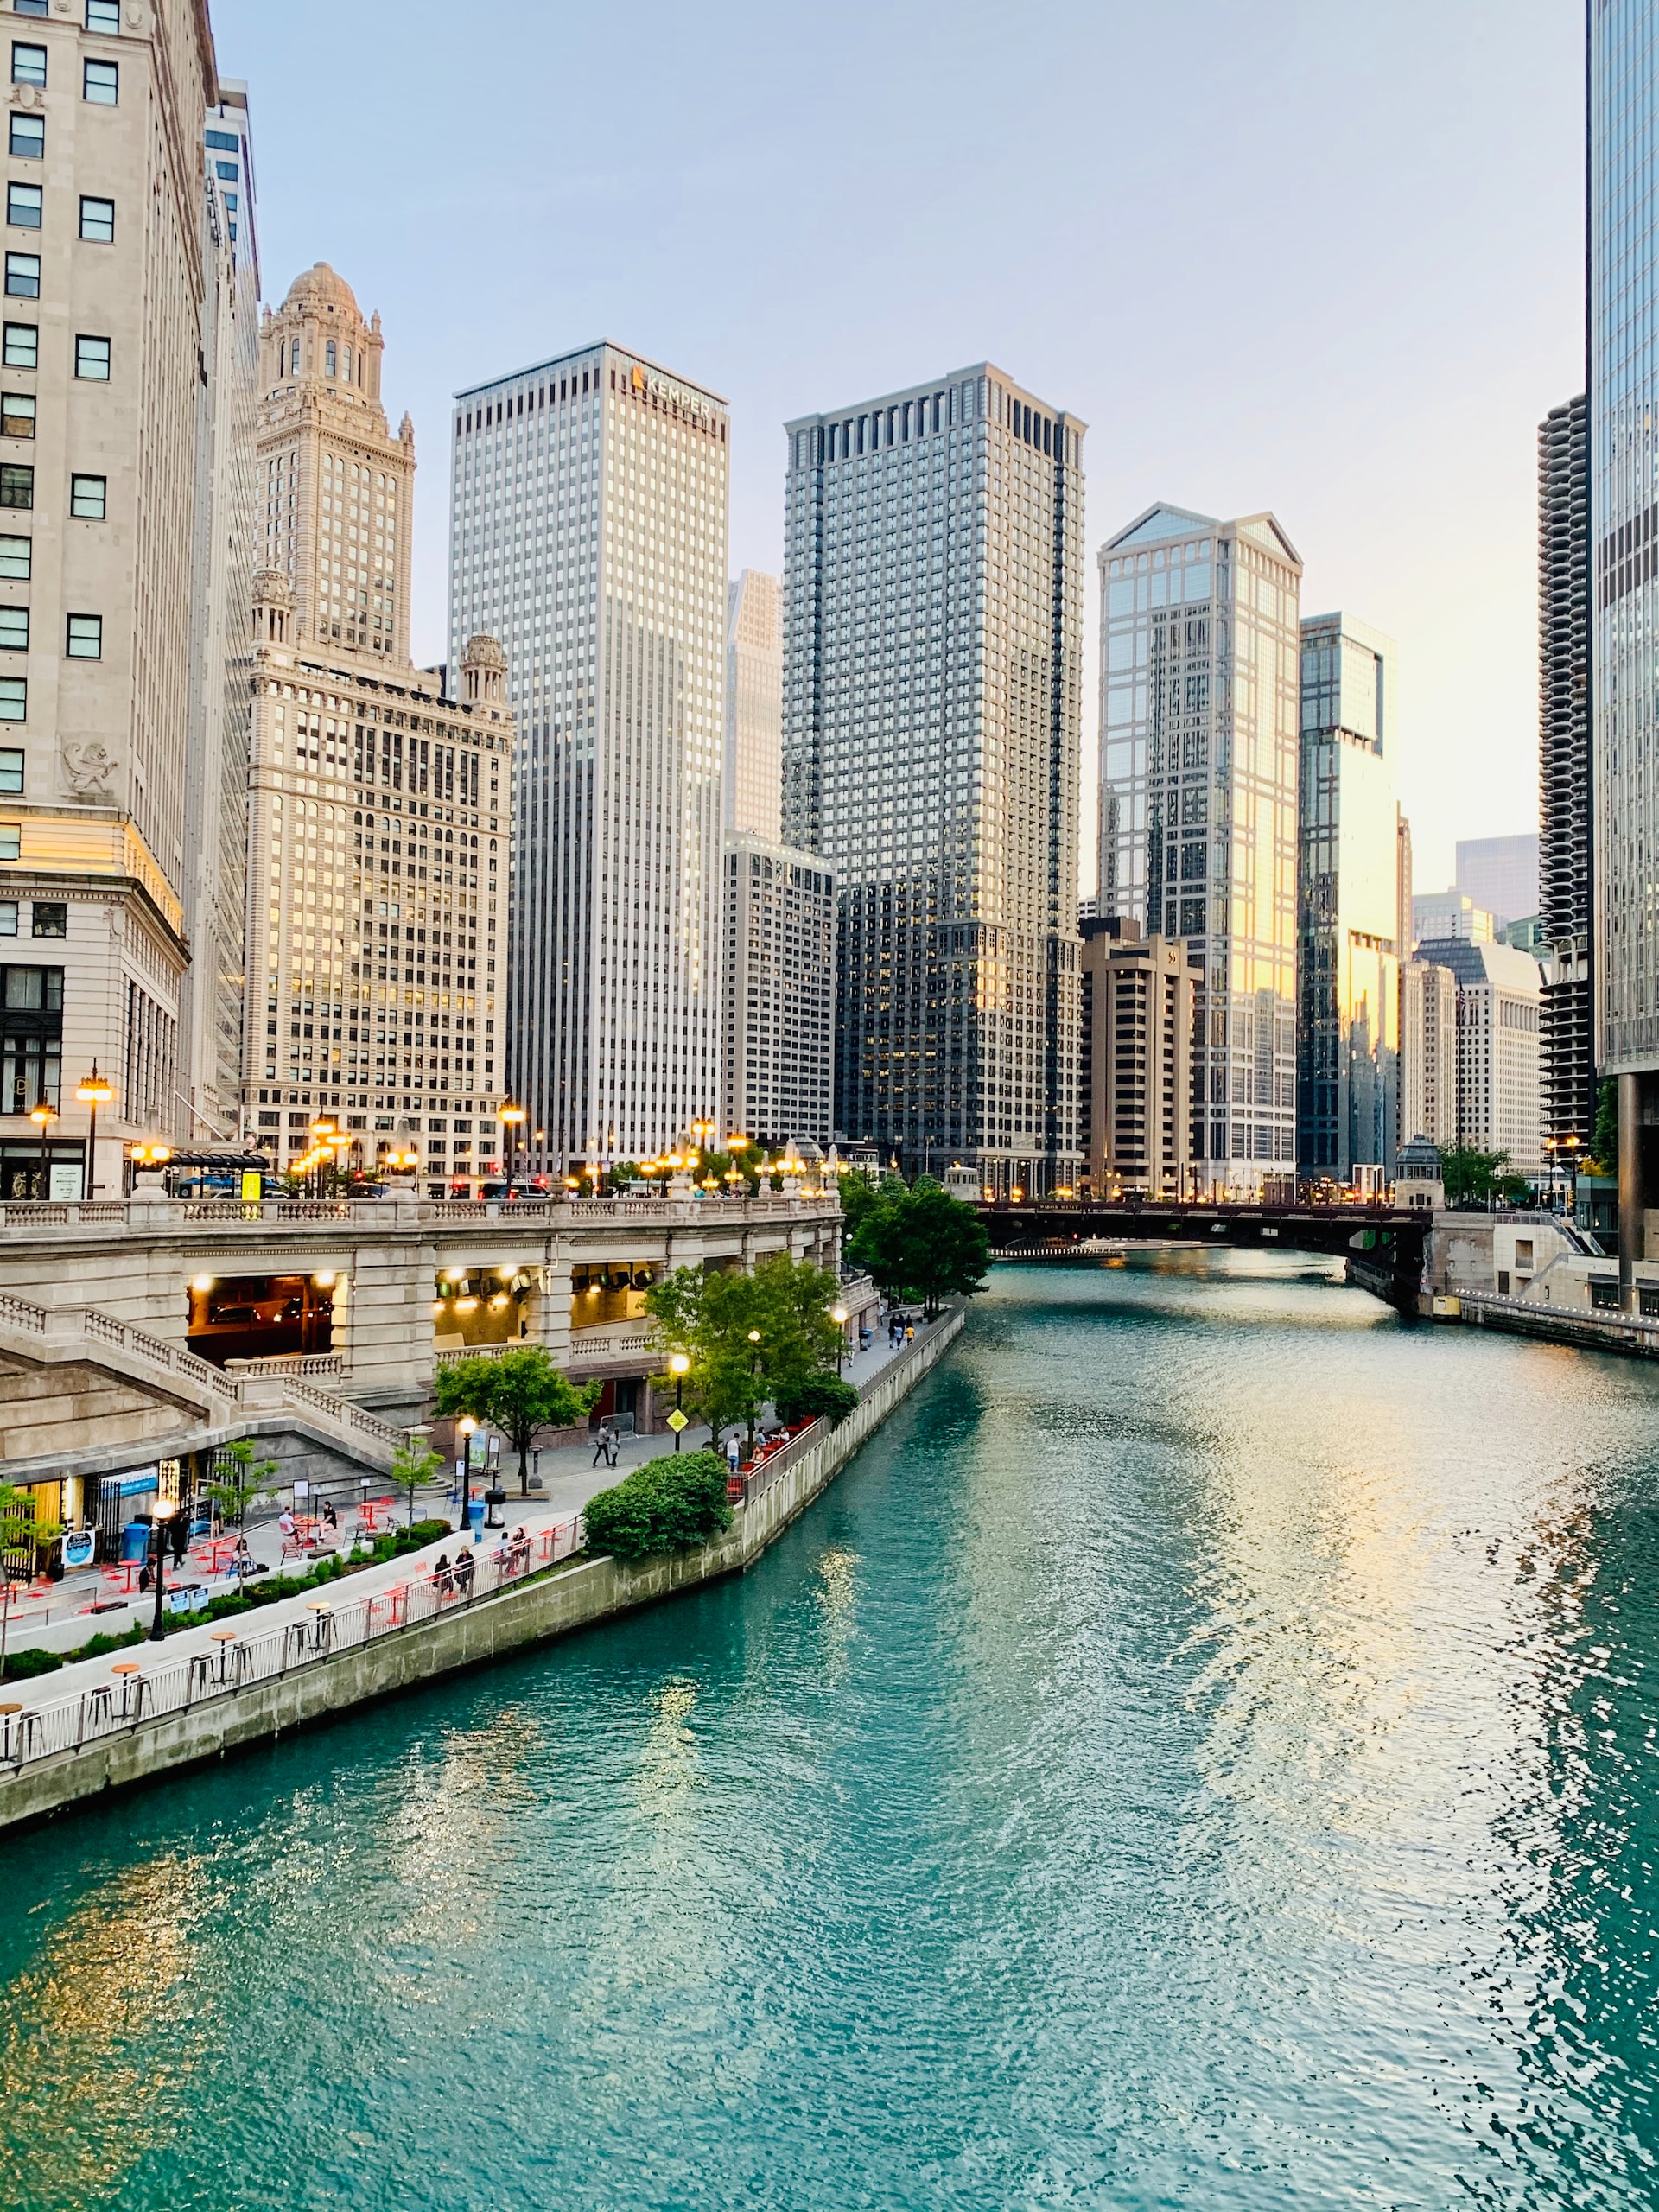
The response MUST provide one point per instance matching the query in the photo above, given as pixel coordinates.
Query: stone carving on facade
(89, 770)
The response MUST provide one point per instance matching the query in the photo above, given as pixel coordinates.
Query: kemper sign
(665, 388)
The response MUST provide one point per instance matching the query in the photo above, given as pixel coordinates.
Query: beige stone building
(1135, 1080)
(105, 276)
(753, 798)
(379, 808)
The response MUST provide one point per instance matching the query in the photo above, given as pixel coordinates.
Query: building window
(87, 496)
(11, 770)
(14, 701)
(11, 841)
(24, 275)
(13, 633)
(49, 917)
(22, 345)
(227, 173)
(29, 7)
(15, 557)
(85, 640)
(8, 918)
(28, 64)
(31, 1037)
(98, 220)
(92, 359)
(23, 207)
(28, 137)
(102, 15)
(331, 358)
(17, 484)
(101, 83)
(17, 415)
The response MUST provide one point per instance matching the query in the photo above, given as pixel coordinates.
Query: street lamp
(158, 1552)
(677, 1366)
(512, 1116)
(754, 1370)
(43, 1115)
(838, 1315)
(322, 1135)
(467, 1427)
(92, 1094)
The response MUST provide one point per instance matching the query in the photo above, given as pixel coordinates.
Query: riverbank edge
(513, 1620)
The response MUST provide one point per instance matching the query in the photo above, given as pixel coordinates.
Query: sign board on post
(63, 1181)
(478, 1450)
(253, 1186)
(301, 1488)
(677, 1421)
(80, 1548)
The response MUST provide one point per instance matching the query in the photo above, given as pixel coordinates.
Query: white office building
(754, 709)
(1499, 990)
(780, 993)
(932, 651)
(1200, 666)
(588, 529)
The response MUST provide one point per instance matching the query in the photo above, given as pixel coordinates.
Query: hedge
(665, 1506)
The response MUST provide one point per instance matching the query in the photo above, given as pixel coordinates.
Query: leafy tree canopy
(1478, 1177)
(749, 1338)
(921, 1243)
(520, 1393)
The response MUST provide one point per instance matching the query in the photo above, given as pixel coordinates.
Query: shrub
(666, 1505)
(21, 1666)
(229, 1601)
(424, 1532)
(820, 1397)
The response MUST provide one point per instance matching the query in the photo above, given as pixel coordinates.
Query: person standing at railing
(464, 1566)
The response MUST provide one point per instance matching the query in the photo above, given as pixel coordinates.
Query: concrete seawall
(521, 1615)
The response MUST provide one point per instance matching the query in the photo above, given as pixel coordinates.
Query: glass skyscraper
(1349, 925)
(1200, 673)
(933, 674)
(1564, 875)
(588, 533)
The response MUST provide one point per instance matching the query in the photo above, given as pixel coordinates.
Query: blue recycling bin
(475, 1516)
(135, 1541)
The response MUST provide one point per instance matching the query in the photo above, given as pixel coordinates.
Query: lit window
(49, 918)
(13, 633)
(11, 775)
(92, 359)
(22, 345)
(24, 275)
(100, 83)
(27, 141)
(15, 561)
(28, 64)
(17, 415)
(87, 496)
(102, 15)
(17, 484)
(14, 699)
(23, 207)
(97, 220)
(85, 640)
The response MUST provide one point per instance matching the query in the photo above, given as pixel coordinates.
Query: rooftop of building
(579, 354)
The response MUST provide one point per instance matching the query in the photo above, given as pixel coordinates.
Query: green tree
(1473, 1178)
(519, 1393)
(749, 1338)
(1605, 1143)
(921, 1243)
(238, 1478)
(414, 1462)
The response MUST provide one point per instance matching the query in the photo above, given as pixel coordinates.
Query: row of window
(99, 16)
(88, 495)
(100, 81)
(25, 207)
(83, 640)
(47, 918)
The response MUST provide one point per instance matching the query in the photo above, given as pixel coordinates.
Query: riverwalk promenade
(102, 1723)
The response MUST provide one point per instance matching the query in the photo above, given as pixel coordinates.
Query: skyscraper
(1568, 1041)
(754, 709)
(1348, 903)
(99, 577)
(227, 536)
(588, 519)
(779, 971)
(1200, 662)
(1624, 582)
(1497, 992)
(1428, 1053)
(933, 605)
(1501, 875)
(1136, 1062)
(379, 824)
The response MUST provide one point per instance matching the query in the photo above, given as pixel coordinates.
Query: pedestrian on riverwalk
(464, 1565)
(733, 1452)
(602, 1444)
(612, 1447)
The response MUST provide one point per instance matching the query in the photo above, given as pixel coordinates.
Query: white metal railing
(128, 1703)
(1610, 1318)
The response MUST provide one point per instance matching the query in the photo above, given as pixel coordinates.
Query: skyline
(1391, 363)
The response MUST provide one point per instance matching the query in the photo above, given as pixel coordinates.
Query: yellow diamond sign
(677, 1421)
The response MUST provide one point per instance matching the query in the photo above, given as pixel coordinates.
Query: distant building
(754, 782)
(1565, 918)
(779, 915)
(1500, 873)
(1419, 1176)
(1437, 916)
(1429, 1052)
(1135, 1075)
(1198, 803)
(1348, 904)
(1498, 993)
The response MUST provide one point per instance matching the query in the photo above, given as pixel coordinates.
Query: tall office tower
(1623, 441)
(379, 808)
(1438, 914)
(1348, 903)
(1501, 875)
(1570, 1073)
(105, 296)
(1200, 660)
(1428, 1053)
(1499, 991)
(933, 611)
(587, 530)
(216, 767)
(754, 709)
(1135, 1032)
(1402, 887)
(779, 971)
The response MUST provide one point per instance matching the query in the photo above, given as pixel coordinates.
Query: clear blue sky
(1323, 258)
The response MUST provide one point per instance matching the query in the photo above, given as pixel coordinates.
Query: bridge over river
(1383, 1245)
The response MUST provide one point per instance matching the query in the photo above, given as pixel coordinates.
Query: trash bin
(135, 1541)
(476, 1516)
(495, 1497)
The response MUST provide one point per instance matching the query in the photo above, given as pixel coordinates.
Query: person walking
(602, 1444)
(613, 1447)
(733, 1452)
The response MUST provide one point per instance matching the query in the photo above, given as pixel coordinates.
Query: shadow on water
(1201, 1753)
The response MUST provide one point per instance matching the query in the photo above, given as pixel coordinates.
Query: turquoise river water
(1202, 1753)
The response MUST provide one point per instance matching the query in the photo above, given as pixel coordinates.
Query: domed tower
(335, 482)
(484, 672)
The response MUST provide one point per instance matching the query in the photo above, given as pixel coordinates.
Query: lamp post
(838, 1315)
(467, 1428)
(158, 1554)
(677, 1366)
(43, 1115)
(512, 1115)
(754, 1370)
(92, 1093)
(322, 1136)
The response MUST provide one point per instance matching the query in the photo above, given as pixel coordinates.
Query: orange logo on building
(638, 378)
